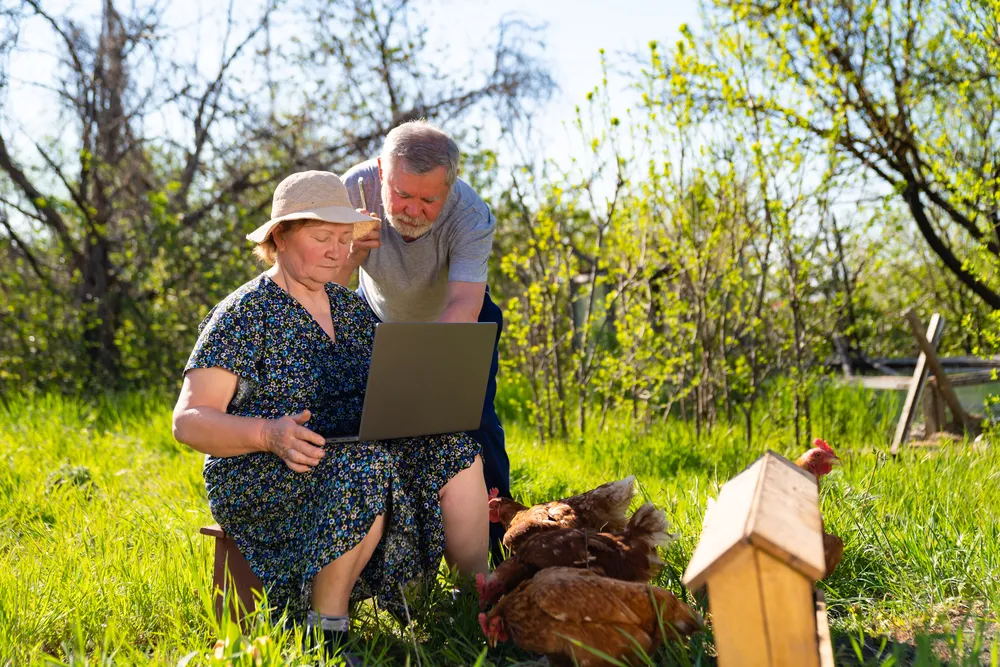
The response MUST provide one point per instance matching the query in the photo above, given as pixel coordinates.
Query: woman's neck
(302, 290)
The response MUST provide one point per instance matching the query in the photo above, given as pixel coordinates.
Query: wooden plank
(738, 613)
(906, 364)
(724, 526)
(785, 520)
(215, 530)
(881, 382)
(933, 410)
(823, 632)
(935, 366)
(970, 379)
(916, 386)
(790, 612)
(902, 382)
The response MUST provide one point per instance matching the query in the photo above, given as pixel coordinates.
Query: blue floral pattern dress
(290, 525)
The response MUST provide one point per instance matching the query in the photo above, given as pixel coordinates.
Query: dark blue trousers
(490, 435)
(496, 464)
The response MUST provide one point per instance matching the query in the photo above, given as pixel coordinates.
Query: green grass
(101, 561)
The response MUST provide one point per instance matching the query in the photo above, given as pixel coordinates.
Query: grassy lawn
(101, 561)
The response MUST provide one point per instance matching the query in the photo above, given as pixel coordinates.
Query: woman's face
(315, 252)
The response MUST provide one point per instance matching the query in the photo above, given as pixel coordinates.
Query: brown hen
(559, 605)
(600, 509)
(820, 461)
(629, 555)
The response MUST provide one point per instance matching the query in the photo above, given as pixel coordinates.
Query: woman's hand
(287, 438)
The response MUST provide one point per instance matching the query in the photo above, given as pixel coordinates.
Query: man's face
(412, 201)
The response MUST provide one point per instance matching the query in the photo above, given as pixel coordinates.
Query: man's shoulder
(368, 169)
(469, 209)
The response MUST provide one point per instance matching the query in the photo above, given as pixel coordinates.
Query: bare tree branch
(41, 203)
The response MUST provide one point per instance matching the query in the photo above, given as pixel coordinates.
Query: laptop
(425, 378)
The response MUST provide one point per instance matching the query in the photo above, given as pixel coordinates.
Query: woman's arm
(201, 422)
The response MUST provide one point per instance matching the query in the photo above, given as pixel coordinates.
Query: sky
(575, 31)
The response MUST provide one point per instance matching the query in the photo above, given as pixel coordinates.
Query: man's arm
(463, 302)
(360, 248)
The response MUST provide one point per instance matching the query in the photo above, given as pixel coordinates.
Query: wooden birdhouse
(761, 551)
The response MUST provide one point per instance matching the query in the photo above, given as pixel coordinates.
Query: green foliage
(714, 241)
(898, 100)
(115, 241)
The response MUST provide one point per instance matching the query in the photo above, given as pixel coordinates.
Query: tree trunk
(912, 196)
(99, 308)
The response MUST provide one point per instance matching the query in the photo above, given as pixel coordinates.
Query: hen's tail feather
(621, 491)
(649, 525)
(613, 500)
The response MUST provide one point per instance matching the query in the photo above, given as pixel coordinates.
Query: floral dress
(290, 525)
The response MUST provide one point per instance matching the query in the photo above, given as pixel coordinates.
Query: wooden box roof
(773, 505)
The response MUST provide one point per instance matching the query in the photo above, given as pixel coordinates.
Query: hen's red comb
(822, 444)
(494, 493)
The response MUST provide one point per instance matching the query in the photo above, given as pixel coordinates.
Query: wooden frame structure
(939, 388)
(916, 384)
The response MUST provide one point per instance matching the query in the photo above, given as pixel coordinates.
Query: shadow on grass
(863, 651)
(955, 647)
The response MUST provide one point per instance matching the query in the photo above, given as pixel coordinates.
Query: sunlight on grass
(101, 561)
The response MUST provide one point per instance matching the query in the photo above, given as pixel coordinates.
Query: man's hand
(360, 247)
(287, 438)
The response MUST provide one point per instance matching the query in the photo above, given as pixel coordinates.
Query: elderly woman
(280, 365)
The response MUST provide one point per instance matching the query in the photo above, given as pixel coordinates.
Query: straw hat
(312, 195)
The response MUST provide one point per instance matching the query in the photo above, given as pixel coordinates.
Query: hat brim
(335, 214)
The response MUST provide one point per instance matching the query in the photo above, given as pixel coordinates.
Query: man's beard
(410, 228)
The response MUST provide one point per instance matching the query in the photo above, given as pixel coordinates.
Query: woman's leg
(333, 584)
(465, 511)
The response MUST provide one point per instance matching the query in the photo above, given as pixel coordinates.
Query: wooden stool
(240, 574)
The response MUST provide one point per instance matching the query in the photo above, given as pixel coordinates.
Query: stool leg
(219, 576)
(244, 581)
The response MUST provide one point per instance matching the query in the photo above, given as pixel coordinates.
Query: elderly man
(427, 261)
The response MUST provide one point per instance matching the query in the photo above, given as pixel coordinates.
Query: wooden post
(823, 632)
(916, 385)
(934, 417)
(939, 375)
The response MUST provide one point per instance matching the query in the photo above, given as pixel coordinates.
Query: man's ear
(379, 160)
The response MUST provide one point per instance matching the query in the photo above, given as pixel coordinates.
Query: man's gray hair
(421, 147)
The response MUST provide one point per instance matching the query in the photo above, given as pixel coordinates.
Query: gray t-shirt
(408, 282)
